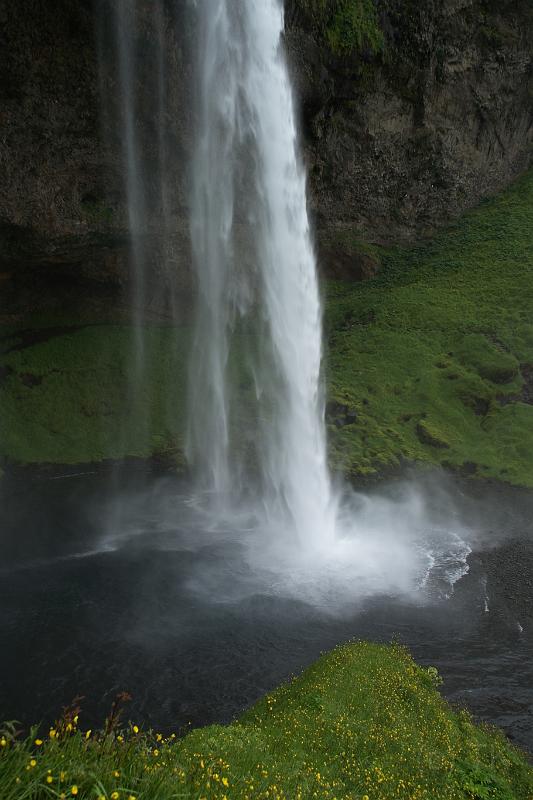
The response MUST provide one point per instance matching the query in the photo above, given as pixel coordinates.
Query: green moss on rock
(346, 26)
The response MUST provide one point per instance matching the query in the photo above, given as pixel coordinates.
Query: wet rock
(399, 143)
(396, 143)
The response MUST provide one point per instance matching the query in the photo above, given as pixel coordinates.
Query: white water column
(247, 155)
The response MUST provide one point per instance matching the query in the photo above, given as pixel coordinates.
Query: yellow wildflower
(74, 790)
(88, 734)
(225, 781)
(116, 774)
(49, 779)
(135, 729)
(3, 742)
(115, 796)
(53, 733)
(33, 763)
(38, 742)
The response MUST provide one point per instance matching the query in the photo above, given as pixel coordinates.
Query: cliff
(412, 111)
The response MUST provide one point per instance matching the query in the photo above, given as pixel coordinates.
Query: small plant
(347, 26)
(113, 719)
(434, 677)
(68, 721)
(354, 27)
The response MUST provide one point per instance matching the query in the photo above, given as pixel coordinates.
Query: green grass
(430, 354)
(435, 344)
(363, 722)
(75, 398)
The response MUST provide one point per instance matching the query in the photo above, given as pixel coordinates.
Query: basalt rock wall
(405, 136)
(407, 120)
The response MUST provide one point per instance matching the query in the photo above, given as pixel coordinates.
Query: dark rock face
(396, 142)
(64, 227)
(49, 148)
(401, 142)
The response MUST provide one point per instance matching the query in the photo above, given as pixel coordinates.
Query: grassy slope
(363, 722)
(74, 397)
(429, 352)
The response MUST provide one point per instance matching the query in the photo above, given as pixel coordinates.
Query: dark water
(98, 598)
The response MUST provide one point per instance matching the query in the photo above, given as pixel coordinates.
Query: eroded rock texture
(398, 139)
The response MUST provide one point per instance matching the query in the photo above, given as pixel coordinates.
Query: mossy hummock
(363, 723)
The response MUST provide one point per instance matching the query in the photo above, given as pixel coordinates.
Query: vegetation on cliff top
(364, 722)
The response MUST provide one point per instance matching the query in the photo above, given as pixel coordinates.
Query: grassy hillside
(436, 354)
(70, 394)
(364, 723)
(434, 357)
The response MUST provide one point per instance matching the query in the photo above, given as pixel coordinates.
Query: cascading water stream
(247, 175)
(137, 62)
(124, 26)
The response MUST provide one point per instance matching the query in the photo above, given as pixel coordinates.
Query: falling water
(137, 63)
(248, 184)
(124, 26)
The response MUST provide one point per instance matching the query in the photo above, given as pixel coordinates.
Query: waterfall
(124, 27)
(254, 258)
(134, 40)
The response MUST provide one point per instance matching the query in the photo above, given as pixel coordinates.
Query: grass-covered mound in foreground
(435, 355)
(364, 722)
